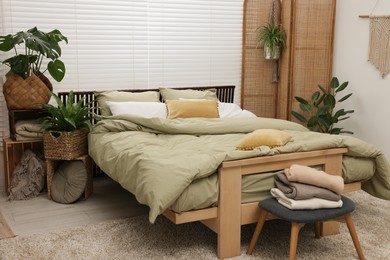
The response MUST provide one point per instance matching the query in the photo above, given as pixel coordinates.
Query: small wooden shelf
(13, 151)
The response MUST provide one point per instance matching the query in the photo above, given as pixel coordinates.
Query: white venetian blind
(139, 43)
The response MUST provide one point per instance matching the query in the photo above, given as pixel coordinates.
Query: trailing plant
(320, 109)
(68, 117)
(271, 36)
(37, 46)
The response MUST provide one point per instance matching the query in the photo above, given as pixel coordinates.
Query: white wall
(371, 93)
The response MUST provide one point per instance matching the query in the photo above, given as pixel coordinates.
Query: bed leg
(229, 213)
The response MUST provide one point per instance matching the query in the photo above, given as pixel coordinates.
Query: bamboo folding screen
(305, 62)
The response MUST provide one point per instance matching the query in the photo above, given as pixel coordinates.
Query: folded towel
(308, 175)
(301, 191)
(28, 129)
(313, 203)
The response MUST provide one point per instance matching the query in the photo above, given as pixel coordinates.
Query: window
(138, 44)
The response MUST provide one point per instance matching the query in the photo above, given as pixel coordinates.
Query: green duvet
(157, 160)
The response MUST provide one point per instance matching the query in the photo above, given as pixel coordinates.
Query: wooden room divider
(305, 62)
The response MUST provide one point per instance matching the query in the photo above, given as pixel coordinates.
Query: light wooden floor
(39, 215)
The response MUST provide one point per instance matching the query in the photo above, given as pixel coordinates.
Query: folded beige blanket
(313, 203)
(28, 129)
(301, 191)
(308, 175)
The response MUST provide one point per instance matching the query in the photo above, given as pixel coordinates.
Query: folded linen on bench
(300, 191)
(313, 203)
(308, 175)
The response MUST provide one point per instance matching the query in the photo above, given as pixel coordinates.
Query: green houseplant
(26, 85)
(66, 128)
(320, 109)
(273, 38)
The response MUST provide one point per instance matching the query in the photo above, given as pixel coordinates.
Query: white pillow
(141, 109)
(230, 110)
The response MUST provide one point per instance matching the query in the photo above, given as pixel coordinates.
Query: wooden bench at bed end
(227, 218)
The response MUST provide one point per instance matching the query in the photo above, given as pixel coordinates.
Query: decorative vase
(271, 55)
(26, 93)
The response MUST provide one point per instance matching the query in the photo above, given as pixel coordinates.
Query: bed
(161, 161)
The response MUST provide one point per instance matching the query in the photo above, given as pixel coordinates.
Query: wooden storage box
(13, 151)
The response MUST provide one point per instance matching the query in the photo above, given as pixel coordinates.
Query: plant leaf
(334, 83)
(345, 97)
(299, 116)
(342, 87)
(56, 69)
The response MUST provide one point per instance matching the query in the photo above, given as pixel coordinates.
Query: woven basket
(65, 145)
(26, 93)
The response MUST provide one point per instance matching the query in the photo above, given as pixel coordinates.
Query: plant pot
(26, 93)
(269, 55)
(65, 145)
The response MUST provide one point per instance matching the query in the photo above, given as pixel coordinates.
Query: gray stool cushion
(69, 182)
(306, 216)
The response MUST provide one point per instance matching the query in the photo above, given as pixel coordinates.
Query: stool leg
(317, 229)
(295, 227)
(352, 232)
(259, 227)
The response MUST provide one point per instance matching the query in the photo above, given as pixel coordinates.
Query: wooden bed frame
(226, 219)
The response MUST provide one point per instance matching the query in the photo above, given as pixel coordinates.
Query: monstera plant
(26, 80)
(319, 112)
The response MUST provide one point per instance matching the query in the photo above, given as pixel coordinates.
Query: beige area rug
(5, 230)
(136, 238)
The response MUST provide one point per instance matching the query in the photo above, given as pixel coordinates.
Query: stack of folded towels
(302, 187)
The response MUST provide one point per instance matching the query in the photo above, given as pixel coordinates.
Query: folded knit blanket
(28, 129)
(301, 191)
(308, 175)
(313, 203)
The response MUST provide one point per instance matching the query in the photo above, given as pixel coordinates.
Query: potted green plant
(26, 86)
(66, 128)
(272, 37)
(320, 109)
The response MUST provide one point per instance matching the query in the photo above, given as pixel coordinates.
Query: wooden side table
(51, 167)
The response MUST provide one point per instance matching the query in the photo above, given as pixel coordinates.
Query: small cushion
(141, 109)
(175, 94)
(306, 216)
(121, 96)
(191, 108)
(268, 137)
(69, 182)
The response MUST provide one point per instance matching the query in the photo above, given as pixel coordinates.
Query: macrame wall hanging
(379, 43)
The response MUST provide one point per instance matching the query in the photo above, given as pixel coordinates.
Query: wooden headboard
(224, 94)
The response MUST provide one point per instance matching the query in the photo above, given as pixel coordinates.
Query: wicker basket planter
(26, 93)
(65, 145)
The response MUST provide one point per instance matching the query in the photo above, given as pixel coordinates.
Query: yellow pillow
(192, 108)
(268, 137)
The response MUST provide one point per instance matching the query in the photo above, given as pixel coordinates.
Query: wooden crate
(13, 151)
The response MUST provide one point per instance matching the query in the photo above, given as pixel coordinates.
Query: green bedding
(157, 159)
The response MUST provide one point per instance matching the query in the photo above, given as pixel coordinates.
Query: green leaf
(312, 122)
(301, 100)
(345, 97)
(315, 96)
(6, 43)
(56, 69)
(305, 107)
(298, 116)
(342, 87)
(334, 83)
(323, 89)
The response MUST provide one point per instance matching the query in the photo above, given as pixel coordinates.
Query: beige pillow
(268, 137)
(174, 94)
(122, 96)
(192, 108)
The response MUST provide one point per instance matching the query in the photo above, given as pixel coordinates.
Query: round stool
(300, 217)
